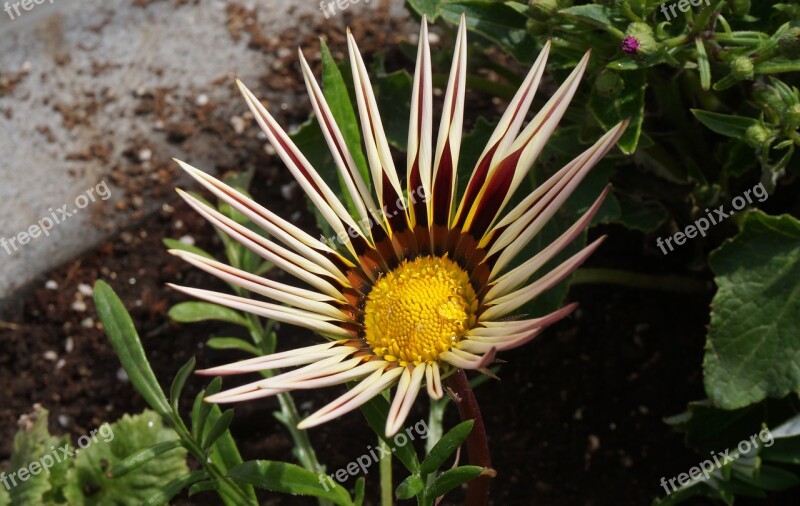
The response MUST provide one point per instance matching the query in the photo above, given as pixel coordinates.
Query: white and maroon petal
(407, 390)
(313, 321)
(299, 356)
(509, 302)
(466, 360)
(365, 390)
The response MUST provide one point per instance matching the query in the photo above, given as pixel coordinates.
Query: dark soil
(576, 418)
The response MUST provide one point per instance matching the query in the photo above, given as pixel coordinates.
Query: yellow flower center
(419, 310)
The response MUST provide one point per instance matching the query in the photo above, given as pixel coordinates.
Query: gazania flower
(419, 284)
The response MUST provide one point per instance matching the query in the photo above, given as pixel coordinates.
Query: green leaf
(179, 382)
(289, 479)
(174, 487)
(498, 22)
(725, 124)
(33, 444)
(753, 344)
(394, 99)
(646, 216)
(203, 486)
(232, 343)
(784, 450)
(428, 7)
(592, 14)
(409, 487)
(224, 452)
(201, 409)
(220, 425)
(702, 64)
(453, 478)
(182, 246)
(142, 457)
(128, 347)
(192, 312)
(358, 498)
(88, 482)
(375, 411)
(771, 478)
(629, 104)
(338, 98)
(445, 447)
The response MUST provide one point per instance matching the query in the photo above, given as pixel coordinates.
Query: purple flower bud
(630, 45)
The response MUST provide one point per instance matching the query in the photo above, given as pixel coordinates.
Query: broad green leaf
(409, 487)
(88, 482)
(142, 457)
(394, 99)
(336, 94)
(34, 444)
(192, 312)
(646, 216)
(232, 343)
(128, 347)
(498, 22)
(174, 487)
(628, 105)
(725, 124)
(753, 344)
(311, 142)
(771, 478)
(179, 382)
(182, 246)
(429, 7)
(784, 450)
(289, 479)
(445, 447)
(451, 479)
(592, 14)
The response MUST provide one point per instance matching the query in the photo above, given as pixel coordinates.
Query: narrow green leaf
(192, 312)
(182, 246)
(446, 446)
(172, 488)
(200, 408)
(410, 487)
(128, 347)
(361, 484)
(451, 479)
(219, 427)
(179, 382)
(138, 459)
(702, 64)
(203, 486)
(289, 479)
(232, 343)
(725, 124)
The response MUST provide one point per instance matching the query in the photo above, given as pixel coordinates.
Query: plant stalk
(387, 495)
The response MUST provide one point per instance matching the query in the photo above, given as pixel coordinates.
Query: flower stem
(477, 445)
(387, 495)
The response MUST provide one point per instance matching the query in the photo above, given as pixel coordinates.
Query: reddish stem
(477, 445)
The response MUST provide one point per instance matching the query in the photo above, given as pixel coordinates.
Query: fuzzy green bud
(757, 135)
(542, 10)
(609, 84)
(768, 96)
(742, 67)
(789, 44)
(536, 27)
(643, 34)
(740, 8)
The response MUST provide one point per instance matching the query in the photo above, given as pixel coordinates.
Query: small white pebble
(131, 281)
(79, 306)
(26, 67)
(69, 344)
(63, 420)
(187, 239)
(85, 289)
(87, 323)
(287, 190)
(268, 149)
(178, 224)
(201, 100)
(61, 363)
(51, 285)
(122, 375)
(50, 355)
(433, 37)
(145, 154)
(238, 124)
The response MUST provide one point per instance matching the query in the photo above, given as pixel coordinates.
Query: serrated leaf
(629, 104)
(409, 487)
(33, 444)
(127, 436)
(445, 447)
(128, 347)
(753, 344)
(453, 478)
(289, 479)
(192, 312)
(725, 124)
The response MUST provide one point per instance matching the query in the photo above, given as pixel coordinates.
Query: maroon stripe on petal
(474, 186)
(496, 190)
